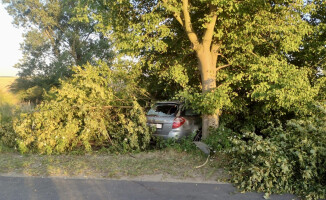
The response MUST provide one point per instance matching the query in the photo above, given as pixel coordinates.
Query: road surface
(21, 188)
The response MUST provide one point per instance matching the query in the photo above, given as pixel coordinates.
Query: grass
(6, 97)
(165, 164)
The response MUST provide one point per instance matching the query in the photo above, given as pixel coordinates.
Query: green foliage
(270, 90)
(219, 140)
(52, 43)
(181, 144)
(288, 159)
(10, 108)
(32, 94)
(276, 83)
(96, 108)
(312, 54)
(7, 133)
(208, 103)
(7, 113)
(246, 31)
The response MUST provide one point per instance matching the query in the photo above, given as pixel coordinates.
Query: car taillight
(178, 121)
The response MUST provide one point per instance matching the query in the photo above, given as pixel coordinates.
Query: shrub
(7, 133)
(287, 159)
(219, 139)
(32, 94)
(96, 108)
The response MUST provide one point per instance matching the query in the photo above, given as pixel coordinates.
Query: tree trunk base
(207, 122)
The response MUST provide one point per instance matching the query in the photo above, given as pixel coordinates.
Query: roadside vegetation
(254, 70)
(159, 165)
(7, 112)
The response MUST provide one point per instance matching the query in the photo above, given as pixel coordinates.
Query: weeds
(184, 144)
(10, 108)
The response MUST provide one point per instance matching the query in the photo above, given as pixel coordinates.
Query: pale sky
(10, 38)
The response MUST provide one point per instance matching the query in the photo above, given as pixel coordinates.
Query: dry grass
(163, 164)
(6, 97)
(5, 82)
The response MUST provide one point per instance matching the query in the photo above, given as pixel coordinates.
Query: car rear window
(163, 110)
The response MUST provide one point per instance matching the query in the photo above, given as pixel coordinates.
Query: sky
(10, 39)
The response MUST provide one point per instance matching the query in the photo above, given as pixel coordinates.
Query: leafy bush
(219, 139)
(283, 159)
(33, 94)
(7, 134)
(96, 108)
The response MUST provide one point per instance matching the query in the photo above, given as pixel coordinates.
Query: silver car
(172, 120)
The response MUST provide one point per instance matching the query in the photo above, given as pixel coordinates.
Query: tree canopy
(232, 57)
(53, 42)
(218, 54)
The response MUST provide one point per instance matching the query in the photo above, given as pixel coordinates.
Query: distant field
(5, 95)
(5, 82)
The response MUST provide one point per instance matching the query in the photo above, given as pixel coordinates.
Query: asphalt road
(22, 188)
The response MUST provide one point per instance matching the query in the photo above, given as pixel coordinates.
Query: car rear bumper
(176, 134)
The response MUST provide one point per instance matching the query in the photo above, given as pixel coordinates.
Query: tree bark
(207, 53)
(208, 78)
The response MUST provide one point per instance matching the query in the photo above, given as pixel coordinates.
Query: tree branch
(210, 25)
(223, 66)
(178, 18)
(188, 26)
(175, 14)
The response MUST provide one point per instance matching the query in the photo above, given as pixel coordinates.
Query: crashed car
(173, 120)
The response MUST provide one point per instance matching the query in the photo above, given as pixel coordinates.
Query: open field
(5, 81)
(5, 95)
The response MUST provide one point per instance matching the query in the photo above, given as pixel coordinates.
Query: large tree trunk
(207, 69)
(207, 53)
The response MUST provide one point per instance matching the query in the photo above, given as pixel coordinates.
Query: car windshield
(163, 110)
